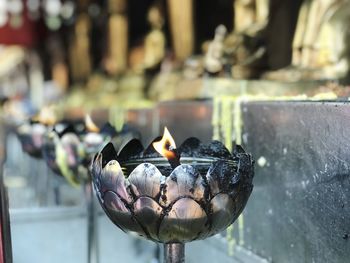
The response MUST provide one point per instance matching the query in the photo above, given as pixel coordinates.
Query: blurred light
(3, 18)
(16, 21)
(94, 10)
(53, 22)
(15, 6)
(67, 10)
(53, 7)
(34, 15)
(33, 5)
(3, 6)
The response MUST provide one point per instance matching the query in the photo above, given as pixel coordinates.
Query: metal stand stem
(174, 253)
(92, 225)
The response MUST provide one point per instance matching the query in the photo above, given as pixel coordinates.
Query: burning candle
(172, 202)
(167, 148)
(90, 125)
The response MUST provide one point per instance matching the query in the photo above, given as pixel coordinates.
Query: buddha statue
(79, 50)
(320, 49)
(245, 47)
(154, 44)
(115, 62)
(181, 27)
(213, 63)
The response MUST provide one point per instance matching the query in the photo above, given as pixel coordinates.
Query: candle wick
(174, 160)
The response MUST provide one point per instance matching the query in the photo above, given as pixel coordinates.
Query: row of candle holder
(67, 146)
(162, 193)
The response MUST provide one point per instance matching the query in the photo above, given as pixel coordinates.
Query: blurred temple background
(271, 75)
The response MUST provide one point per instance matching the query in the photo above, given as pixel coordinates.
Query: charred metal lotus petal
(68, 129)
(246, 167)
(214, 149)
(185, 222)
(147, 180)
(112, 179)
(238, 149)
(108, 154)
(120, 214)
(222, 177)
(148, 213)
(132, 148)
(96, 168)
(126, 135)
(223, 212)
(241, 198)
(190, 147)
(184, 181)
(108, 130)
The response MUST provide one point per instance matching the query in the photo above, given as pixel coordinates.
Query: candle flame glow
(166, 145)
(90, 125)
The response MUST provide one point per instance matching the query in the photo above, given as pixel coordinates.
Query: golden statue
(182, 27)
(79, 51)
(117, 57)
(251, 16)
(245, 46)
(320, 45)
(154, 46)
(213, 63)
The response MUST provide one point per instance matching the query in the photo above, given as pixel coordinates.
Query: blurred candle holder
(173, 196)
(67, 148)
(31, 135)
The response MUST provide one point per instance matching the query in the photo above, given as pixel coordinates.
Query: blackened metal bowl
(141, 193)
(64, 153)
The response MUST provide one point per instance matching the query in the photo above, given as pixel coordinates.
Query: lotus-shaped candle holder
(31, 135)
(31, 132)
(64, 152)
(200, 195)
(69, 147)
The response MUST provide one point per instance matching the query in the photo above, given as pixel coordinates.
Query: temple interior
(174, 131)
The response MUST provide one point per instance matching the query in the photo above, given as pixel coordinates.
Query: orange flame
(165, 145)
(90, 125)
